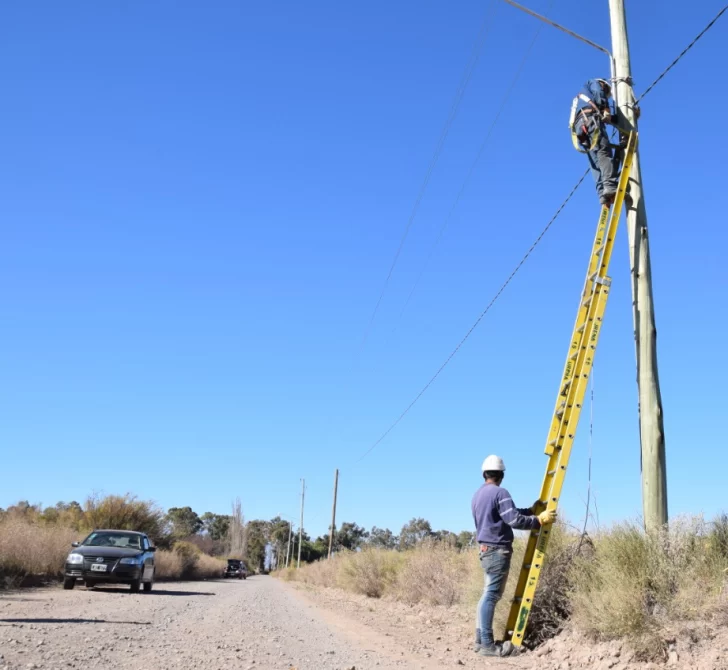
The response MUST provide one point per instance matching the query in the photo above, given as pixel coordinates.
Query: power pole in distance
(288, 549)
(652, 434)
(333, 513)
(300, 530)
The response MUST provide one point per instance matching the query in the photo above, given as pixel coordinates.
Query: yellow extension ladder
(569, 402)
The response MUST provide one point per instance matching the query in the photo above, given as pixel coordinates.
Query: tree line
(263, 544)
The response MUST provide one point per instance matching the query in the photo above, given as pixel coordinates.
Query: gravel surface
(263, 623)
(256, 623)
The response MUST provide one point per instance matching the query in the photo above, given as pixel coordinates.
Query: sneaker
(489, 650)
(476, 647)
(507, 649)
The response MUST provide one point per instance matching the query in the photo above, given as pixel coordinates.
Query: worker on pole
(590, 113)
(495, 517)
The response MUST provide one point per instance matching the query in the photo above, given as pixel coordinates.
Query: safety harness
(582, 146)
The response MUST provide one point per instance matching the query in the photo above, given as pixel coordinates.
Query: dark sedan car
(235, 568)
(112, 557)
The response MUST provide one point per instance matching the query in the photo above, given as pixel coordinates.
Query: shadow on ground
(135, 623)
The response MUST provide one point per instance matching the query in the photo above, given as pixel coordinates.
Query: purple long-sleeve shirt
(495, 516)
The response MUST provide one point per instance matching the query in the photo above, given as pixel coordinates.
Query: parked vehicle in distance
(235, 568)
(111, 557)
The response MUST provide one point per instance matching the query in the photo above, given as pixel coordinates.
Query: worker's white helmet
(494, 464)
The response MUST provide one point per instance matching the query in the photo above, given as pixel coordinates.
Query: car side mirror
(75, 544)
(152, 549)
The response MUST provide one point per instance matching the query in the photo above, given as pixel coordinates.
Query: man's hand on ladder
(547, 518)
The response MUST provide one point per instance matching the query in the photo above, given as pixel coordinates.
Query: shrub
(208, 567)
(125, 513)
(432, 573)
(638, 585)
(370, 572)
(167, 565)
(189, 556)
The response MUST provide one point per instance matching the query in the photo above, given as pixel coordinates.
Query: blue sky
(200, 203)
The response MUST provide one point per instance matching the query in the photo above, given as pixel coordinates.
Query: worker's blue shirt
(496, 516)
(593, 90)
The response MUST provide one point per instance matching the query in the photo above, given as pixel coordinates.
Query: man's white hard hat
(493, 463)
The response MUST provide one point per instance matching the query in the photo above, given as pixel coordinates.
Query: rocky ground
(444, 636)
(262, 623)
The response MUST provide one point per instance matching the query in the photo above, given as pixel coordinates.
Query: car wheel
(69, 583)
(148, 586)
(135, 585)
(89, 583)
(245, 576)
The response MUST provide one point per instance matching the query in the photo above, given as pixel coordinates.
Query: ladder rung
(551, 473)
(587, 302)
(580, 329)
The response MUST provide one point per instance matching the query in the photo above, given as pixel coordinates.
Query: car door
(148, 559)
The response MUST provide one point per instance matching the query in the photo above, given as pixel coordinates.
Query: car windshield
(121, 540)
(234, 564)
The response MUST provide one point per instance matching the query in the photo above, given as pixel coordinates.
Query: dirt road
(256, 623)
(262, 623)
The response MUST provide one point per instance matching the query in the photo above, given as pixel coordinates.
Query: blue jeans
(496, 563)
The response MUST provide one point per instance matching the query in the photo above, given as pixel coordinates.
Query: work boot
(489, 650)
(607, 199)
(477, 645)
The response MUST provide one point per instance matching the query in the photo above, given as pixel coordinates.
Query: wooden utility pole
(333, 513)
(288, 549)
(300, 530)
(652, 436)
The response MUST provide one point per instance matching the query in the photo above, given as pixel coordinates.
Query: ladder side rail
(544, 533)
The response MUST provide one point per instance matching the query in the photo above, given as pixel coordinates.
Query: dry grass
(433, 574)
(167, 565)
(208, 567)
(30, 548)
(641, 587)
(620, 584)
(33, 549)
(372, 572)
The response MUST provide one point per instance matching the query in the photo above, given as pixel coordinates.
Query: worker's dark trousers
(604, 163)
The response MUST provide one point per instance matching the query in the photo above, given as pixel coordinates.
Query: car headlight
(131, 560)
(74, 559)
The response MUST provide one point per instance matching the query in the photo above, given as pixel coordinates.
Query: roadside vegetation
(34, 541)
(619, 584)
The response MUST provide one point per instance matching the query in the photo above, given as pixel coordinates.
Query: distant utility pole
(288, 549)
(652, 435)
(300, 529)
(333, 513)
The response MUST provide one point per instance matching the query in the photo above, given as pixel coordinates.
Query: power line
(424, 389)
(682, 53)
(478, 320)
(459, 94)
(472, 169)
